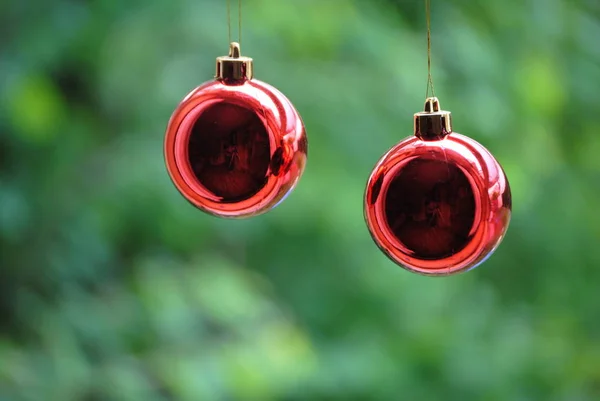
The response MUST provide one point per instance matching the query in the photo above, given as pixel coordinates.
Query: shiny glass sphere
(235, 148)
(439, 206)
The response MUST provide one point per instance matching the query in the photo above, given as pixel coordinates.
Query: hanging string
(229, 20)
(429, 77)
(239, 21)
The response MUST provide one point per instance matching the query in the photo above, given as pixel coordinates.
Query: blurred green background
(112, 287)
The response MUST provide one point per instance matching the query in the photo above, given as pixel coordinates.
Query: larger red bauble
(235, 146)
(437, 204)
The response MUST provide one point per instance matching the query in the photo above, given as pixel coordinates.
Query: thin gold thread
(229, 20)
(240, 22)
(429, 76)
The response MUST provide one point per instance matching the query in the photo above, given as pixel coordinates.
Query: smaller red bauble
(438, 203)
(235, 146)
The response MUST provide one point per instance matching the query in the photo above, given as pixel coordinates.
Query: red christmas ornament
(235, 146)
(437, 203)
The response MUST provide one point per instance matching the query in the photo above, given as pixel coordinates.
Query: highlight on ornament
(437, 203)
(235, 146)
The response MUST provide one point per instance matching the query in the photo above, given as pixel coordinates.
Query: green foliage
(112, 287)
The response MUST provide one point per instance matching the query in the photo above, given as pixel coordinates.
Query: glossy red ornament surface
(438, 207)
(235, 149)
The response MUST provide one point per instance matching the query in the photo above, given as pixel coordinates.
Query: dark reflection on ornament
(229, 151)
(430, 208)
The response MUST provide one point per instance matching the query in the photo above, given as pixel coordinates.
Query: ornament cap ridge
(234, 68)
(433, 123)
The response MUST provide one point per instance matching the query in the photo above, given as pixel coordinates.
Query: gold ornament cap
(432, 124)
(234, 68)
